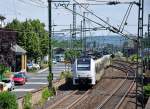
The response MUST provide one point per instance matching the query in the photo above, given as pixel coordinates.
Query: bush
(66, 75)
(147, 90)
(8, 101)
(33, 70)
(27, 101)
(47, 93)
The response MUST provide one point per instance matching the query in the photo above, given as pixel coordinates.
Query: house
(21, 58)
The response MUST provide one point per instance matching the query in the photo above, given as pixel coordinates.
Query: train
(87, 70)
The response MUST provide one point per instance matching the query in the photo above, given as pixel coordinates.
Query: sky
(37, 9)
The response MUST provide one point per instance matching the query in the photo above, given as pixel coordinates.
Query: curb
(40, 71)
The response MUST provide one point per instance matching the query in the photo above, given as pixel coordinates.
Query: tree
(32, 36)
(70, 55)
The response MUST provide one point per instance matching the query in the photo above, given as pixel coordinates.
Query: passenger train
(87, 70)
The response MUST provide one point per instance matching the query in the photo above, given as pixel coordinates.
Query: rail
(73, 98)
(121, 86)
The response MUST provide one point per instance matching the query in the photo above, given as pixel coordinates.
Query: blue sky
(21, 10)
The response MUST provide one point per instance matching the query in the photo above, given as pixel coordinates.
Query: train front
(84, 71)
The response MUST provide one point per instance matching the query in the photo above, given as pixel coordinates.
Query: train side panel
(100, 66)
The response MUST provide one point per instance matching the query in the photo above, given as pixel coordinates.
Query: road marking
(36, 83)
(39, 78)
(42, 75)
(22, 90)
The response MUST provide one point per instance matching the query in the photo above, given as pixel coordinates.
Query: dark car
(19, 78)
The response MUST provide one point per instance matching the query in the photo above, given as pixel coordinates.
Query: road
(38, 80)
(58, 68)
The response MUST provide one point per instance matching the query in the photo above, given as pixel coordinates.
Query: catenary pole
(50, 49)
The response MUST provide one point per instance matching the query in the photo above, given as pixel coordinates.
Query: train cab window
(83, 64)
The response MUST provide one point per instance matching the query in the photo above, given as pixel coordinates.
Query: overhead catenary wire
(111, 28)
(85, 17)
(29, 3)
(121, 28)
(41, 3)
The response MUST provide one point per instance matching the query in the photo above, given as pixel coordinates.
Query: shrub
(147, 90)
(8, 101)
(27, 101)
(47, 93)
(66, 75)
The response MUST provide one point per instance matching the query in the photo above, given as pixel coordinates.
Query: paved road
(38, 80)
(58, 68)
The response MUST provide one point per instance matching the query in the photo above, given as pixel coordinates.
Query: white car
(29, 66)
(37, 66)
(9, 84)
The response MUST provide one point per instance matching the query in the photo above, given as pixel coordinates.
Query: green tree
(70, 55)
(32, 36)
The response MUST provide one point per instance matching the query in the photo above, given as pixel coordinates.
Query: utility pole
(139, 73)
(50, 49)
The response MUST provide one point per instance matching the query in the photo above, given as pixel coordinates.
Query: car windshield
(18, 75)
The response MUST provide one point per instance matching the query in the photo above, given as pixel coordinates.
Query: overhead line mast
(139, 75)
(149, 25)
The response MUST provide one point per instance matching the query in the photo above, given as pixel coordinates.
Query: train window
(83, 64)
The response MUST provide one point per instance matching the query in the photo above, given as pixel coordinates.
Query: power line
(123, 23)
(39, 3)
(29, 3)
(111, 28)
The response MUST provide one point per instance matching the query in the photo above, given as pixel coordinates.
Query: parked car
(29, 65)
(9, 84)
(33, 65)
(19, 78)
(3, 87)
(37, 66)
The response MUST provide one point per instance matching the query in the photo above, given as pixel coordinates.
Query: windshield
(18, 76)
(6, 81)
(83, 64)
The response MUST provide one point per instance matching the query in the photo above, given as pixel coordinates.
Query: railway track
(117, 97)
(112, 100)
(70, 100)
